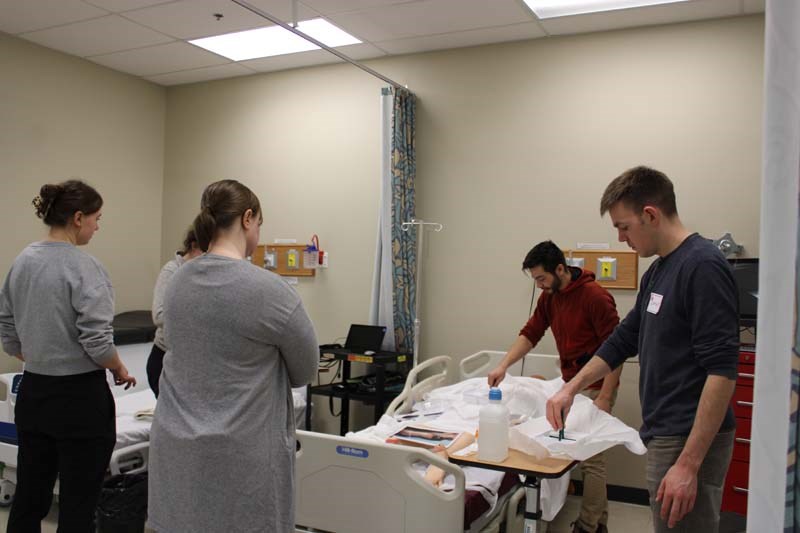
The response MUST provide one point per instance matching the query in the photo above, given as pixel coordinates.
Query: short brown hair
(57, 203)
(638, 187)
(223, 204)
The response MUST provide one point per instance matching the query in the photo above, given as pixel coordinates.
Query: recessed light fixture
(274, 40)
(546, 9)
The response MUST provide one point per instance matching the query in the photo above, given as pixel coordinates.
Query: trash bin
(122, 507)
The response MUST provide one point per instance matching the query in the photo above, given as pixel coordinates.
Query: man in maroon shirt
(581, 315)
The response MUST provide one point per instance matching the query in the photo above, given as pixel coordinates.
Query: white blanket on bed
(589, 430)
(132, 431)
(129, 430)
(456, 408)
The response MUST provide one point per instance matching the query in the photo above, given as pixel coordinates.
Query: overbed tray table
(533, 470)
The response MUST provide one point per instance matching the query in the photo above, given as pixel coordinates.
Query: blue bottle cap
(495, 394)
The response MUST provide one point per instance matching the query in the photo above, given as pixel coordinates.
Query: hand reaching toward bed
(121, 377)
(558, 407)
(497, 375)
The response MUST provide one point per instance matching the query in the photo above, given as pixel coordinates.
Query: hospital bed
(131, 450)
(384, 492)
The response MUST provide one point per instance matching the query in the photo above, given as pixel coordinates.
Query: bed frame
(383, 492)
(345, 485)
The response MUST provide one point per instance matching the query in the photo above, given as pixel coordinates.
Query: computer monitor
(745, 272)
(361, 337)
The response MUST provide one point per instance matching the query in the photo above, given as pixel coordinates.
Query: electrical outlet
(606, 269)
(575, 262)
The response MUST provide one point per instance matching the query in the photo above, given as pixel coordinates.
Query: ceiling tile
(754, 6)
(642, 16)
(160, 59)
(498, 34)
(191, 19)
(230, 70)
(29, 15)
(97, 36)
(429, 17)
(329, 7)
(118, 6)
(283, 9)
(312, 57)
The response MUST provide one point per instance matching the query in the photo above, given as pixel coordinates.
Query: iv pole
(421, 225)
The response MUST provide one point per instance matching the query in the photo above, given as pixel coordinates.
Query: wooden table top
(520, 463)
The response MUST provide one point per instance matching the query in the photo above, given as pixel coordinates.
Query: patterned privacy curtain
(394, 282)
(404, 243)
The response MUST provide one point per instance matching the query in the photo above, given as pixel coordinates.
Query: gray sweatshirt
(56, 309)
(158, 297)
(222, 441)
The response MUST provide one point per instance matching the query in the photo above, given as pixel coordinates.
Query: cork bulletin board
(281, 252)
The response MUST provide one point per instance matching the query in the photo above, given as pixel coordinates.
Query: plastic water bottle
(493, 428)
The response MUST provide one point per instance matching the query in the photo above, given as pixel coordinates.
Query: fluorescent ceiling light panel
(275, 40)
(546, 9)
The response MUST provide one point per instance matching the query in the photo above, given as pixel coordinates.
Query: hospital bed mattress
(133, 433)
(131, 430)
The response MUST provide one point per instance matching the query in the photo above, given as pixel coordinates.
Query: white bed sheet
(131, 431)
(456, 407)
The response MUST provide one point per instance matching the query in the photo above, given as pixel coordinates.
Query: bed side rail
(131, 459)
(351, 486)
(479, 365)
(415, 388)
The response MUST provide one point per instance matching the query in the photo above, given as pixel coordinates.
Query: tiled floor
(48, 525)
(622, 518)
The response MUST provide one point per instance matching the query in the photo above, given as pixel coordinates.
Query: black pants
(66, 430)
(154, 365)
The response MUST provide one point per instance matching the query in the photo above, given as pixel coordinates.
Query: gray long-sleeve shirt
(222, 442)
(56, 308)
(162, 282)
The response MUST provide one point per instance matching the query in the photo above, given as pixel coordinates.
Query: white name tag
(655, 303)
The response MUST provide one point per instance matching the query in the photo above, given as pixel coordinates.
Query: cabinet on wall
(734, 495)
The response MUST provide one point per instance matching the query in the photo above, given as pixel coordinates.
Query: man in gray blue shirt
(684, 326)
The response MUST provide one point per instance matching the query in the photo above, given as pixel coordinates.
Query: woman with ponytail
(56, 308)
(222, 444)
(156, 359)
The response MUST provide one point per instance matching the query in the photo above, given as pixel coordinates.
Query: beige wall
(515, 144)
(522, 152)
(308, 143)
(63, 117)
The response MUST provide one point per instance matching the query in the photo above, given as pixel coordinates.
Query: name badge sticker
(655, 303)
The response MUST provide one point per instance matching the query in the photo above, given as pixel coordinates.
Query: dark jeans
(66, 430)
(154, 365)
(662, 452)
